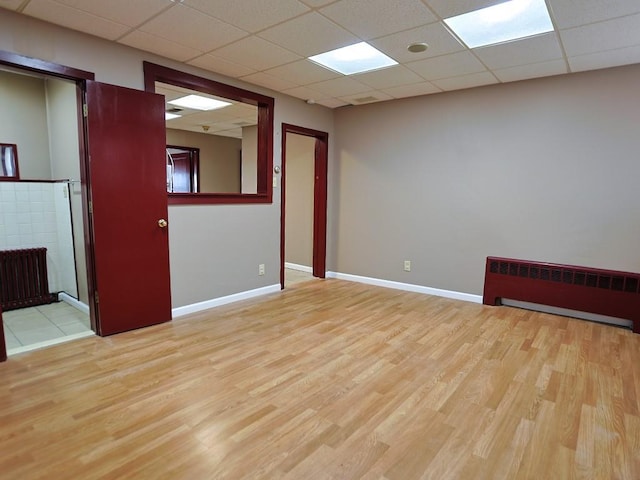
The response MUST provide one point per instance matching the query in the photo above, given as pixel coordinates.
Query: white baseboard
(409, 287)
(66, 298)
(216, 302)
(295, 266)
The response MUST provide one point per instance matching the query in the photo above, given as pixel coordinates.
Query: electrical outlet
(261, 269)
(407, 265)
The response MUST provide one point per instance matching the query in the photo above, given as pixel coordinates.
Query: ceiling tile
(520, 52)
(610, 58)
(438, 38)
(522, 72)
(447, 8)
(125, 12)
(388, 77)
(376, 18)
(160, 46)
(417, 89)
(303, 72)
(256, 53)
(75, 19)
(332, 103)
(305, 93)
(11, 4)
(598, 37)
(318, 3)
(466, 81)
(269, 81)
(251, 15)
(189, 27)
(221, 66)
(573, 13)
(446, 66)
(340, 87)
(309, 35)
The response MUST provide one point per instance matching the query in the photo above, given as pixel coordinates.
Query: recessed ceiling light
(197, 102)
(504, 22)
(358, 58)
(170, 116)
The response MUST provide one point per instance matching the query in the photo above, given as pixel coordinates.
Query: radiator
(23, 278)
(592, 290)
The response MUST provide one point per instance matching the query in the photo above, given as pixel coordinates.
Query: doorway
(304, 221)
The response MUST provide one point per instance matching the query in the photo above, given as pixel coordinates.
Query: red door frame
(321, 153)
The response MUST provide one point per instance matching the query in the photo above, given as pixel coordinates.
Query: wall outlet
(407, 265)
(261, 269)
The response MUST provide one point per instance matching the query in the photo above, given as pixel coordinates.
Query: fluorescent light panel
(500, 23)
(358, 58)
(170, 116)
(197, 102)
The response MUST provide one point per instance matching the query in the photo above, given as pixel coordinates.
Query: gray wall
(219, 159)
(299, 199)
(544, 170)
(250, 159)
(215, 250)
(23, 103)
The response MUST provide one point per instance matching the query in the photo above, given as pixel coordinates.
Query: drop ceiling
(266, 42)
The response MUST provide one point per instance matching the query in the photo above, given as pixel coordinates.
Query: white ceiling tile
(125, 12)
(160, 46)
(75, 19)
(466, 81)
(367, 97)
(520, 52)
(340, 87)
(221, 66)
(446, 66)
(610, 58)
(447, 8)
(438, 38)
(303, 72)
(388, 77)
(305, 93)
(573, 13)
(189, 27)
(376, 18)
(10, 4)
(256, 53)
(251, 15)
(309, 35)
(415, 90)
(269, 81)
(522, 72)
(598, 37)
(333, 103)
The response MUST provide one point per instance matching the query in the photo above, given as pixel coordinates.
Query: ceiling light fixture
(500, 23)
(417, 47)
(170, 116)
(197, 102)
(358, 58)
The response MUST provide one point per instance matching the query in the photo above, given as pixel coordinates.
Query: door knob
(162, 223)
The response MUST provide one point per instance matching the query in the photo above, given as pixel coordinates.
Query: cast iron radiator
(585, 289)
(23, 278)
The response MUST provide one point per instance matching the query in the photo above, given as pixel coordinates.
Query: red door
(3, 345)
(126, 141)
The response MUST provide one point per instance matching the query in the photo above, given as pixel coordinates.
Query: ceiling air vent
(365, 99)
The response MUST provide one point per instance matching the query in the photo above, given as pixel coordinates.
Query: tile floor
(43, 325)
(291, 277)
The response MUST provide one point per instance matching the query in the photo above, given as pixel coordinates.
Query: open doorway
(42, 208)
(304, 204)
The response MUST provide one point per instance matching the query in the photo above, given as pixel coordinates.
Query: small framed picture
(9, 161)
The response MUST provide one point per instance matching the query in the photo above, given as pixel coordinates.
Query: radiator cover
(604, 292)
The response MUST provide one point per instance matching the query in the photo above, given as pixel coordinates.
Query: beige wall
(299, 199)
(250, 159)
(215, 250)
(23, 104)
(219, 159)
(544, 170)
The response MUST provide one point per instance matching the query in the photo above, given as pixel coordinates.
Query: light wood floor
(330, 380)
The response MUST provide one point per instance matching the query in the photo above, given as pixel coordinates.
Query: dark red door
(126, 141)
(3, 345)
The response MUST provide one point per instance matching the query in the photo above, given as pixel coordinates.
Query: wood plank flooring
(330, 380)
